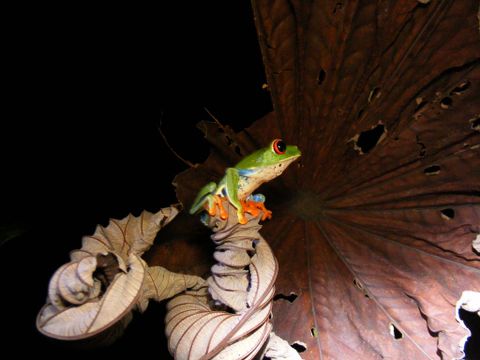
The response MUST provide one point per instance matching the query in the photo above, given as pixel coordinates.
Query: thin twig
(188, 163)
(214, 118)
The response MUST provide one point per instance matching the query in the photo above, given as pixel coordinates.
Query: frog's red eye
(279, 146)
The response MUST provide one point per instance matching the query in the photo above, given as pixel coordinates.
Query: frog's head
(271, 160)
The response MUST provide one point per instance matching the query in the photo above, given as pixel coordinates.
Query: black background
(86, 89)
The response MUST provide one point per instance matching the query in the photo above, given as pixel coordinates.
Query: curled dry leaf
(104, 279)
(161, 284)
(243, 281)
(74, 284)
(131, 235)
(74, 321)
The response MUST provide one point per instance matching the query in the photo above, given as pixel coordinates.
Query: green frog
(240, 181)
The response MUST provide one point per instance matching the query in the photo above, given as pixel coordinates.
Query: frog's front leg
(203, 197)
(256, 203)
(231, 188)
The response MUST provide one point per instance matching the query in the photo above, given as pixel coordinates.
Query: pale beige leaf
(70, 285)
(85, 270)
(161, 284)
(53, 294)
(71, 323)
(246, 348)
(263, 272)
(77, 307)
(198, 329)
(95, 315)
(77, 254)
(279, 349)
(130, 234)
(120, 296)
(234, 299)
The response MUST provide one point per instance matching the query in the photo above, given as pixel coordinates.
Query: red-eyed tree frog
(240, 181)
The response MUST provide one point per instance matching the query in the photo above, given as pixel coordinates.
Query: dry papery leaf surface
(226, 317)
(106, 279)
(376, 231)
(232, 320)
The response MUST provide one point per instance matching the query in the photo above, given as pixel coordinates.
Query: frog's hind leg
(256, 203)
(231, 188)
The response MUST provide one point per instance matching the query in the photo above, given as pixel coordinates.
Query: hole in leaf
(338, 6)
(357, 284)
(321, 76)
(299, 346)
(290, 298)
(423, 148)
(448, 214)
(370, 138)
(420, 104)
(446, 102)
(475, 123)
(361, 288)
(461, 88)
(360, 113)
(471, 321)
(423, 3)
(422, 151)
(375, 93)
(397, 334)
(314, 331)
(432, 170)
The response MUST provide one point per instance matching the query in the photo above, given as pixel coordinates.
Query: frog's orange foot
(255, 207)
(241, 218)
(267, 214)
(223, 211)
(216, 205)
(212, 210)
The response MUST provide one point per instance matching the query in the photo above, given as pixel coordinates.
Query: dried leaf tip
(104, 280)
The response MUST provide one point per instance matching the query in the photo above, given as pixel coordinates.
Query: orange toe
(221, 208)
(254, 208)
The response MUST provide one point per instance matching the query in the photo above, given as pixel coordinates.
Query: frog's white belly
(247, 184)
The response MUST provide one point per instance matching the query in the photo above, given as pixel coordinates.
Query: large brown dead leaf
(374, 229)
